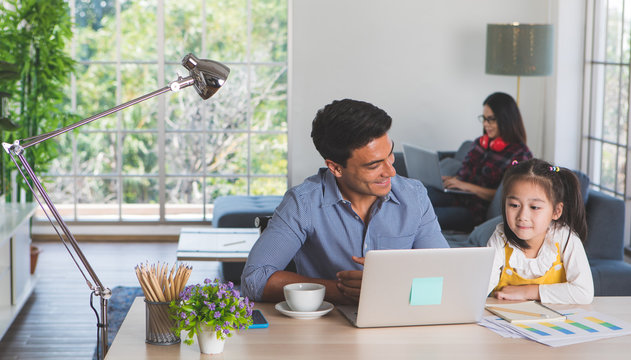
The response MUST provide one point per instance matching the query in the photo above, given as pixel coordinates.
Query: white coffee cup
(304, 296)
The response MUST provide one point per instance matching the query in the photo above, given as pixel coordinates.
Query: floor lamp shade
(519, 49)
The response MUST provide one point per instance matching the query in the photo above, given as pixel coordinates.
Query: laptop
(422, 287)
(424, 165)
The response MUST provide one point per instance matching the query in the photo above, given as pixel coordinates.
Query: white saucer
(304, 315)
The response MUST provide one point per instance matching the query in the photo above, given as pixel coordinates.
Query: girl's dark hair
(345, 125)
(560, 185)
(509, 121)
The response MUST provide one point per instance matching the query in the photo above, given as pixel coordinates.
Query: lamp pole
(206, 75)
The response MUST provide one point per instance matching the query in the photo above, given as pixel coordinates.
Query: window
(168, 158)
(607, 137)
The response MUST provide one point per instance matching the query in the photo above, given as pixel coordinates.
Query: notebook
(424, 165)
(422, 287)
(523, 312)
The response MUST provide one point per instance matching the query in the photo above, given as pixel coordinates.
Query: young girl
(538, 250)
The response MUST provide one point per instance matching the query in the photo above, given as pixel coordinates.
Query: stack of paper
(579, 326)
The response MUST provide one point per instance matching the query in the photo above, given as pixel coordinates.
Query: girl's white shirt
(579, 288)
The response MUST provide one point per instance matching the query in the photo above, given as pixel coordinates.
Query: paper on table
(580, 326)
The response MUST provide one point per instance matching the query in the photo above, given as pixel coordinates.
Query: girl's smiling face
(529, 212)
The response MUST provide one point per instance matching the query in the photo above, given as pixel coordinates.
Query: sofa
(605, 223)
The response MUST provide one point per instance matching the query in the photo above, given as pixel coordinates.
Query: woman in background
(502, 142)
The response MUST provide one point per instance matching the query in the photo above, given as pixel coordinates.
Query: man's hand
(518, 292)
(349, 282)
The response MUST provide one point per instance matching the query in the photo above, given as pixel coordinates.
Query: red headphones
(498, 144)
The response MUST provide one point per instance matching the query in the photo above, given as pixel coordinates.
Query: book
(528, 311)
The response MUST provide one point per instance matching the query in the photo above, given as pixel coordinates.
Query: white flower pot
(208, 342)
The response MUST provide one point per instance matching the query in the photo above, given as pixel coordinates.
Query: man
(354, 205)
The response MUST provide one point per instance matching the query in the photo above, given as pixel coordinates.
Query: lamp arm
(175, 85)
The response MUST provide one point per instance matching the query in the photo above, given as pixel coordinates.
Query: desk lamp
(206, 76)
(519, 50)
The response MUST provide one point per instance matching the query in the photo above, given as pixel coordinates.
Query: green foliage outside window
(233, 143)
(34, 35)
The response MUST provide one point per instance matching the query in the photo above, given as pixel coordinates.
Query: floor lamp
(206, 76)
(519, 50)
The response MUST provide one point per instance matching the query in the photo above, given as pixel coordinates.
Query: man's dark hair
(345, 125)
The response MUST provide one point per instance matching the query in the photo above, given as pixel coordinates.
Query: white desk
(332, 337)
(216, 244)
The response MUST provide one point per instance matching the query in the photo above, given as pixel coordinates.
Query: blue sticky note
(426, 291)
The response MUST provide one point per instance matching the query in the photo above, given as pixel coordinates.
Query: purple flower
(237, 315)
(217, 328)
(187, 322)
(217, 315)
(230, 284)
(235, 293)
(212, 306)
(226, 331)
(222, 304)
(232, 308)
(183, 315)
(207, 281)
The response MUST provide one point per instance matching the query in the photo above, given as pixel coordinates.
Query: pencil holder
(159, 324)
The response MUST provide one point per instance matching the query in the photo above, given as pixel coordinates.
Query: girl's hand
(518, 292)
(452, 182)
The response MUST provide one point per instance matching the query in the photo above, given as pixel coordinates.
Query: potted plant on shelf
(213, 311)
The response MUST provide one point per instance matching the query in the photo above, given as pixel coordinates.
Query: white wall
(422, 61)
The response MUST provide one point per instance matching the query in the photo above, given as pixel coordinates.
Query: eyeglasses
(490, 119)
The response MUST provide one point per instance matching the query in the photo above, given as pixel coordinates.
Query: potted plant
(213, 311)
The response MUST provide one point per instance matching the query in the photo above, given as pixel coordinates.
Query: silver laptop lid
(424, 286)
(423, 165)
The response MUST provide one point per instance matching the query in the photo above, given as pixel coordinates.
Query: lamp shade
(519, 49)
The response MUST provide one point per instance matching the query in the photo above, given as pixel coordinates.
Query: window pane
(269, 33)
(226, 30)
(60, 188)
(185, 110)
(614, 30)
(269, 154)
(184, 198)
(62, 164)
(140, 153)
(227, 154)
(138, 80)
(230, 107)
(216, 187)
(609, 170)
(182, 29)
(269, 98)
(141, 199)
(96, 190)
(269, 186)
(184, 153)
(612, 110)
(97, 153)
(94, 23)
(96, 92)
(138, 30)
(621, 176)
(624, 105)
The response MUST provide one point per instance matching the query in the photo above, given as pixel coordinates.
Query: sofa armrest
(605, 226)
